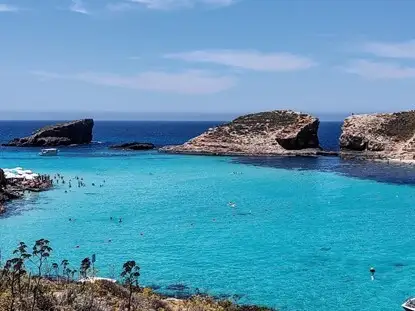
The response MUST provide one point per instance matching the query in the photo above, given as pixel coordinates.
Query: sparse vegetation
(54, 287)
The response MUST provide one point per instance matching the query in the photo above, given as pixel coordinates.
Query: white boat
(49, 152)
(409, 304)
(95, 279)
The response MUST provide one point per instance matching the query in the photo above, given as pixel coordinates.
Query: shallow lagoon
(297, 239)
(303, 235)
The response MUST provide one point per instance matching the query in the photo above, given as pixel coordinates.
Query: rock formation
(3, 180)
(387, 136)
(14, 188)
(70, 133)
(133, 146)
(280, 132)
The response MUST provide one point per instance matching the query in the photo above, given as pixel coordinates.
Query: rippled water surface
(302, 236)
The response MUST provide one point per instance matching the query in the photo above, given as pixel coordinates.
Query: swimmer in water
(120, 220)
(372, 273)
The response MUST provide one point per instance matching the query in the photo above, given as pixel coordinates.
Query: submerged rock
(384, 136)
(134, 146)
(279, 132)
(65, 134)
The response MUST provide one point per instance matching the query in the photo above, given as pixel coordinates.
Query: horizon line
(151, 116)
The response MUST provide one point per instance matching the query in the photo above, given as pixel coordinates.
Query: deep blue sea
(302, 236)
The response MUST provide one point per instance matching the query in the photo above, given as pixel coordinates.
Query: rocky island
(65, 134)
(279, 132)
(382, 136)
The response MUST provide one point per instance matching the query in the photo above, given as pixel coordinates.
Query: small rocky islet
(64, 134)
(133, 146)
(280, 132)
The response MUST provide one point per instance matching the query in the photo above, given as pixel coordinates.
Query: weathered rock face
(380, 136)
(134, 146)
(280, 132)
(14, 188)
(75, 132)
(3, 180)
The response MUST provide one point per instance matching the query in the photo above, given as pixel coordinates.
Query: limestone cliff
(388, 136)
(280, 132)
(70, 133)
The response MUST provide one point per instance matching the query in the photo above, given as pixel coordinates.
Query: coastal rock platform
(383, 136)
(279, 132)
(65, 134)
(14, 183)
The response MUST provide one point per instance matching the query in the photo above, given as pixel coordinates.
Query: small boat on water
(409, 304)
(49, 152)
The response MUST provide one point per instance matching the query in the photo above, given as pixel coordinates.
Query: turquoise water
(297, 239)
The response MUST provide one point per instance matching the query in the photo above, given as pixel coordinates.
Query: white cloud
(391, 50)
(186, 82)
(182, 4)
(379, 70)
(252, 60)
(4, 8)
(78, 6)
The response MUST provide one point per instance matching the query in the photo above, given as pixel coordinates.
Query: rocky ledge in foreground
(64, 134)
(133, 146)
(279, 132)
(383, 136)
(14, 186)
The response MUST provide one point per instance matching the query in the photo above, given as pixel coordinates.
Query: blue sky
(207, 56)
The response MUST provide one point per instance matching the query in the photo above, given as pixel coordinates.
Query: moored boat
(409, 304)
(49, 152)
(95, 278)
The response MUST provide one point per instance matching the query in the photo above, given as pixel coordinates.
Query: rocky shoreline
(387, 137)
(380, 137)
(15, 188)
